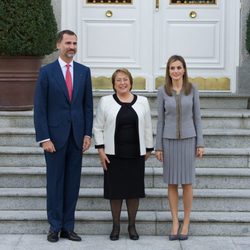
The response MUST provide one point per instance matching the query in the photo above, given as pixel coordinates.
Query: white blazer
(105, 122)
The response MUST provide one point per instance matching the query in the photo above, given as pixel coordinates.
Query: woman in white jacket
(124, 139)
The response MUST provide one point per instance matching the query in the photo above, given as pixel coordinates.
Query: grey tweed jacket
(178, 117)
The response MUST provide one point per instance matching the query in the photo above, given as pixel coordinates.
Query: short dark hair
(126, 72)
(61, 33)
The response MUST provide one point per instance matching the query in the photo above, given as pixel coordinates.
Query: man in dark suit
(63, 117)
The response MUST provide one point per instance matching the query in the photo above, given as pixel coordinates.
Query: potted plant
(27, 33)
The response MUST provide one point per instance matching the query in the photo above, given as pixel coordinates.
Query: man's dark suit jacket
(54, 114)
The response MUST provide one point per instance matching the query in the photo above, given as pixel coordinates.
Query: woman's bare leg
(173, 199)
(187, 204)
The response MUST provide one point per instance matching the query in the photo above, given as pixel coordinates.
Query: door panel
(113, 36)
(199, 43)
(107, 29)
(107, 34)
(196, 32)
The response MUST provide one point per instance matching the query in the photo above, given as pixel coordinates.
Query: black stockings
(116, 206)
(132, 207)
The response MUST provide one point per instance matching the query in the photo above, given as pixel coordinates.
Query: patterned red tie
(69, 82)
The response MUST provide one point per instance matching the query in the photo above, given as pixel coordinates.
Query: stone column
(244, 68)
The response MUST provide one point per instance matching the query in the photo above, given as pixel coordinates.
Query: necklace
(177, 88)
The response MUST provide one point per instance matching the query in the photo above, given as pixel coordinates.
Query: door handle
(157, 5)
(109, 13)
(192, 14)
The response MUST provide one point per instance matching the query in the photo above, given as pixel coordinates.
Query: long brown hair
(187, 86)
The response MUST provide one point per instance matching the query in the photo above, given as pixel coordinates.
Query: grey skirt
(179, 161)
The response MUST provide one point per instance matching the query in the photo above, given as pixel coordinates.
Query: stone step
(219, 119)
(225, 158)
(17, 137)
(218, 138)
(226, 138)
(207, 100)
(91, 199)
(148, 223)
(16, 119)
(211, 118)
(221, 204)
(12, 156)
(92, 177)
(214, 178)
(226, 118)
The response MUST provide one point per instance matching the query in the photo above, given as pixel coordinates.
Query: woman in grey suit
(179, 139)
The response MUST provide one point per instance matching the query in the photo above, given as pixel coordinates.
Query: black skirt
(124, 178)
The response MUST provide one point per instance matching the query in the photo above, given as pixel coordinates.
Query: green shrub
(248, 34)
(27, 27)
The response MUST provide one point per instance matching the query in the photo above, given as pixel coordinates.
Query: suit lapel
(76, 81)
(60, 80)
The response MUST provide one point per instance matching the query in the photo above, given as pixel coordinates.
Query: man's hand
(86, 143)
(48, 146)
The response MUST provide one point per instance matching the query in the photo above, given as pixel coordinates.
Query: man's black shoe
(71, 235)
(52, 236)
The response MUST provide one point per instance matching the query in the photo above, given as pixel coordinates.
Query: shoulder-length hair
(124, 71)
(187, 86)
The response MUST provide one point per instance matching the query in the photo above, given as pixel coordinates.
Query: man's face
(67, 47)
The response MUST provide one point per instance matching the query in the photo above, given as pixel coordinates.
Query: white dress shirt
(64, 68)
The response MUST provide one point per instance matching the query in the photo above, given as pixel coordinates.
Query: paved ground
(39, 242)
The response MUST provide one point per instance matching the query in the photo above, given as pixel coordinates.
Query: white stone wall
(57, 11)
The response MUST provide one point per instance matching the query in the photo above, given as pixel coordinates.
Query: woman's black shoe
(172, 237)
(115, 233)
(133, 235)
(183, 237)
